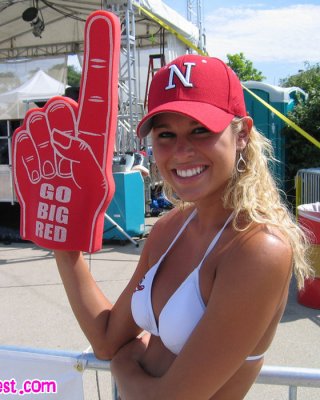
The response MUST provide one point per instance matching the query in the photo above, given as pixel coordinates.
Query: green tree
(73, 76)
(244, 68)
(307, 79)
(300, 153)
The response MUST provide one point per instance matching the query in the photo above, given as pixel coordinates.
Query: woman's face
(197, 163)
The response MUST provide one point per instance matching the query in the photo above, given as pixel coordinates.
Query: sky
(278, 36)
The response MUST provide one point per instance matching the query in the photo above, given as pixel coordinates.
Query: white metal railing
(307, 183)
(269, 375)
(291, 377)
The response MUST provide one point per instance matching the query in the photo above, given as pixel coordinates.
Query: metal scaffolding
(128, 116)
(195, 15)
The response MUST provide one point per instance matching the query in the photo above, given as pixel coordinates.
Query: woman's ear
(244, 134)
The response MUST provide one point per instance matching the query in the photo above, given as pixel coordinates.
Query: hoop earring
(241, 160)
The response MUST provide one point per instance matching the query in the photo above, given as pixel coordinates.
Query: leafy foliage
(74, 76)
(308, 79)
(300, 153)
(244, 68)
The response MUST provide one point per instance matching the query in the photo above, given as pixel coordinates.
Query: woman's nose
(184, 147)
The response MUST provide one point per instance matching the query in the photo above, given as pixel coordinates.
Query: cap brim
(213, 118)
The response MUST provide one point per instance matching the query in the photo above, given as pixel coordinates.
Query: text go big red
(52, 219)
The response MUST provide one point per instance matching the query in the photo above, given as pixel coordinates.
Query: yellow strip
(298, 184)
(314, 256)
(285, 119)
(170, 29)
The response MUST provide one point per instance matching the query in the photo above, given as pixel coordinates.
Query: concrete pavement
(35, 313)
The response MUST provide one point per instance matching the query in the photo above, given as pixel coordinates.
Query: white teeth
(187, 173)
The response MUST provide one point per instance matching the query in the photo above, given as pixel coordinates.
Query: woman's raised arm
(107, 327)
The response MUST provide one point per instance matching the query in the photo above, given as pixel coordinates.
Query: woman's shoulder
(267, 238)
(171, 220)
(256, 267)
(165, 229)
(261, 250)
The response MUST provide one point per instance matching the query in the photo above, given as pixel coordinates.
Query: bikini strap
(183, 227)
(215, 239)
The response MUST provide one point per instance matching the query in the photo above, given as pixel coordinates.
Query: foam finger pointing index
(98, 98)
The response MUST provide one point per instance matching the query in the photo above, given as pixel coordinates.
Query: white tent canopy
(64, 26)
(40, 87)
(63, 34)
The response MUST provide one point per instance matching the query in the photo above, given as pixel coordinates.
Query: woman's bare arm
(107, 327)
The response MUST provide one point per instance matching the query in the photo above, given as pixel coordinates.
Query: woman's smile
(190, 172)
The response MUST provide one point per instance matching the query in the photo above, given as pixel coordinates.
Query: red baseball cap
(200, 87)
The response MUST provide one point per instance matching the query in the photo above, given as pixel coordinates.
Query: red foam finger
(61, 113)
(65, 210)
(98, 99)
(73, 149)
(25, 157)
(38, 128)
(58, 213)
(26, 173)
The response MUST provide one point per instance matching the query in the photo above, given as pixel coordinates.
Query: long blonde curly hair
(253, 194)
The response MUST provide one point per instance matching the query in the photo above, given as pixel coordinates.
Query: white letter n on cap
(184, 79)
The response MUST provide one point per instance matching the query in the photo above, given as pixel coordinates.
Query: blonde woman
(213, 278)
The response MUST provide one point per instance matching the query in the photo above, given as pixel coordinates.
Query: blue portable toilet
(127, 207)
(283, 100)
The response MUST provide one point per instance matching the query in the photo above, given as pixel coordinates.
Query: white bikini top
(183, 310)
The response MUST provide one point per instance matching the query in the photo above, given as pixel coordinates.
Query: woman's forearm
(89, 305)
(133, 382)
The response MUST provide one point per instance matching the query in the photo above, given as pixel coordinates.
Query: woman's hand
(133, 351)
(126, 368)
